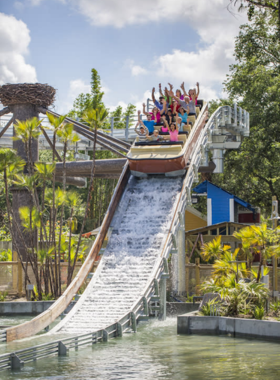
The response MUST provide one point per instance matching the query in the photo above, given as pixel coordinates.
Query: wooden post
(19, 270)
(21, 197)
(15, 272)
(197, 275)
(187, 274)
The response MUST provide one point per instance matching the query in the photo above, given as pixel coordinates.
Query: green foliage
(251, 294)
(25, 130)
(252, 172)
(189, 299)
(3, 296)
(91, 100)
(275, 307)
(206, 309)
(6, 255)
(4, 228)
(259, 312)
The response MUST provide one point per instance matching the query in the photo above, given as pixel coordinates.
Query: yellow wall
(193, 221)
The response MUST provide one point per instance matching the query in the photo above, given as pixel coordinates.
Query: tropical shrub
(6, 255)
(3, 296)
(207, 309)
(259, 312)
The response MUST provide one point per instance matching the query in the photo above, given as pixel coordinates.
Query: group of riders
(169, 116)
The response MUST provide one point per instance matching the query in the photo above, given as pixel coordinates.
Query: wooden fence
(12, 276)
(197, 273)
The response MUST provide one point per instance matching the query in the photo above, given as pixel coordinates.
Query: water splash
(140, 226)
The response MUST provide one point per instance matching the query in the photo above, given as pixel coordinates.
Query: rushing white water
(140, 226)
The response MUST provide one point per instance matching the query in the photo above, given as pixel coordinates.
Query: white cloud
(128, 12)
(138, 70)
(18, 5)
(208, 63)
(35, 2)
(135, 69)
(77, 87)
(14, 41)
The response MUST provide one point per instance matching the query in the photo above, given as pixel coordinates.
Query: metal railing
(17, 359)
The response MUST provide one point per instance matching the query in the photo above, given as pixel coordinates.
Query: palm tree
(259, 239)
(10, 165)
(72, 201)
(57, 124)
(66, 135)
(94, 118)
(26, 131)
(224, 265)
(45, 173)
(214, 249)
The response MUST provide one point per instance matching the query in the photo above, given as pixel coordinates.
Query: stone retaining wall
(236, 327)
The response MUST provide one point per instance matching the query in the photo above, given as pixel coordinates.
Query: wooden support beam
(197, 276)
(207, 238)
(110, 168)
(4, 111)
(75, 181)
(215, 226)
(50, 143)
(6, 127)
(187, 275)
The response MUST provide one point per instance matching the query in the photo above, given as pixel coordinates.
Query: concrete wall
(176, 308)
(237, 327)
(27, 308)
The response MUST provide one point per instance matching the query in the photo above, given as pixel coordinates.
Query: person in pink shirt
(173, 130)
(164, 128)
(156, 113)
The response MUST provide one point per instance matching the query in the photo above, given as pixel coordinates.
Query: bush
(207, 309)
(3, 296)
(259, 312)
(6, 255)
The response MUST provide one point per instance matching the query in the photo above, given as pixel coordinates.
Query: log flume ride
(143, 225)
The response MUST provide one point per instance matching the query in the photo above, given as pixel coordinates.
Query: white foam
(140, 226)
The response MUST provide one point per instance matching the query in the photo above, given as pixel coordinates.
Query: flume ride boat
(166, 157)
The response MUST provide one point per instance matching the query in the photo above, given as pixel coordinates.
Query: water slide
(143, 225)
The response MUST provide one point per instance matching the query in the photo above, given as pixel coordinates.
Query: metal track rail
(81, 125)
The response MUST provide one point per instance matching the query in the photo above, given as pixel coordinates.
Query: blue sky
(133, 44)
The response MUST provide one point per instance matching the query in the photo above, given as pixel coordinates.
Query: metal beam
(45, 110)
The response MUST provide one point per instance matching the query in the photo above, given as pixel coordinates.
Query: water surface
(157, 352)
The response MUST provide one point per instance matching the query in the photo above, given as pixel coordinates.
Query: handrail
(47, 317)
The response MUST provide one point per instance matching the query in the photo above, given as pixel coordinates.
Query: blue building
(223, 206)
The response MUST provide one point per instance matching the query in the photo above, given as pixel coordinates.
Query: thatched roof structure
(33, 93)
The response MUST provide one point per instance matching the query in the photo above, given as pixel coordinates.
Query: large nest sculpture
(33, 93)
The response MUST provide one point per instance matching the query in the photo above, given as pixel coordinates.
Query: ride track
(217, 132)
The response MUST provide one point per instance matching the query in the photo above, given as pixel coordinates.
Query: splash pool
(157, 352)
